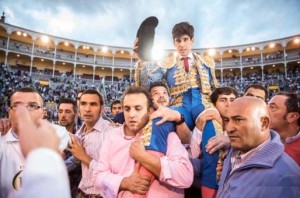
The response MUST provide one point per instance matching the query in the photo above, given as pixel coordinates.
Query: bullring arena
(54, 64)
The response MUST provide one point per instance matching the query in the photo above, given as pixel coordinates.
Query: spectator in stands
(67, 111)
(12, 161)
(258, 91)
(285, 120)
(257, 165)
(86, 145)
(115, 107)
(191, 79)
(118, 176)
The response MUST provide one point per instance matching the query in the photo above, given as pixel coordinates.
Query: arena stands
(59, 67)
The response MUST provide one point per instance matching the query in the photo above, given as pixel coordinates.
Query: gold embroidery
(146, 133)
(167, 62)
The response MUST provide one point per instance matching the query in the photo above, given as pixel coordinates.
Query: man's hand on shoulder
(217, 142)
(207, 114)
(166, 114)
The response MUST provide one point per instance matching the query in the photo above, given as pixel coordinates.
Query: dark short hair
(114, 102)
(222, 90)
(181, 29)
(258, 86)
(292, 102)
(68, 101)
(159, 84)
(25, 90)
(93, 92)
(139, 90)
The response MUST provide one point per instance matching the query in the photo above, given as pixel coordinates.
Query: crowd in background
(58, 87)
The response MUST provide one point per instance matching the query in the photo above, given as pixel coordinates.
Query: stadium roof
(217, 23)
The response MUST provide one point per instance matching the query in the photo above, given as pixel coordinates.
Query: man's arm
(144, 75)
(135, 183)
(151, 162)
(72, 163)
(44, 175)
(110, 183)
(78, 151)
(171, 115)
(174, 169)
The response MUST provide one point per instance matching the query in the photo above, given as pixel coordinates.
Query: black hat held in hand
(145, 34)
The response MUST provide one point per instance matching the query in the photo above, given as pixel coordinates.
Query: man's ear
(292, 117)
(151, 110)
(265, 123)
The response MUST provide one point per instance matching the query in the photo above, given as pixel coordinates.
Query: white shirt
(11, 162)
(12, 159)
(45, 176)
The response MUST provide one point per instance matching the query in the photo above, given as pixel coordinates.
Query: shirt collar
(96, 127)
(11, 136)
(292, 139)
(190, 56)
(244, 157)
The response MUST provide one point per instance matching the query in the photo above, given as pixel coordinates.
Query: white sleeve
(195, 148)
(45, 175)
(63, 135)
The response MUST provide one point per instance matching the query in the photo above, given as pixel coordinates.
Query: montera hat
(145, 34)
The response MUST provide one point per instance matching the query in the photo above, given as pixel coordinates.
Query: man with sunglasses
(12, 160)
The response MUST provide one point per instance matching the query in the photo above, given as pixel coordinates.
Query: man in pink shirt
(86, 144)
(123, 152)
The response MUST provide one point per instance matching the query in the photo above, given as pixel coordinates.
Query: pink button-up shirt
(91, 141)
(115, 163)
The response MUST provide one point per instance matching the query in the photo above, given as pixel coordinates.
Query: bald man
(256, 165)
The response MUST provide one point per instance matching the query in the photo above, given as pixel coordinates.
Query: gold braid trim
(146, 133)
(208, 61)
(137, 77)
(167, 62)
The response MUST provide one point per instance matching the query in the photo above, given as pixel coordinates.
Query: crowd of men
(183, 137)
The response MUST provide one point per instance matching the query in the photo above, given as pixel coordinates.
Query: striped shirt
(91, 141)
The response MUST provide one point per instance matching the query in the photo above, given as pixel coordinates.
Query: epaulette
(167, 62)
(208, 61)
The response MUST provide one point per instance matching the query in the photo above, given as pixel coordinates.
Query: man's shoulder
(285, 165)
(8, 137)
(102, 124)
(113, 134)
(207, 60)
(167, 62)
